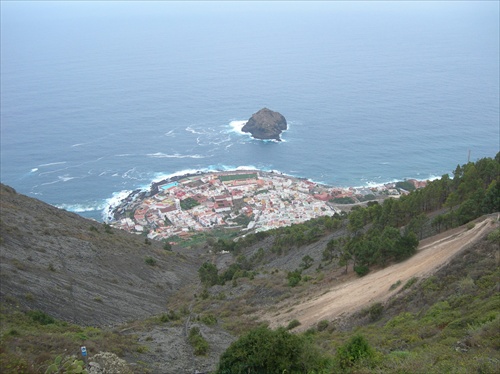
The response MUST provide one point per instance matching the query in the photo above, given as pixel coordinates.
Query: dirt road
(358, 293)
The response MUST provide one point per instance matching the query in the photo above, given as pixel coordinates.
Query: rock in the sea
(265, 124)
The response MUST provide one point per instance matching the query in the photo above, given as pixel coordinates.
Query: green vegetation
(35, 342)
(410, 283)
(188, 203)
(355, 351)
(171, 315)
(209, 274)
(40, 317)
(263, 350)
(198, 342)
(405, 185)
(307, 261)
(342, 200)
(395, 285)
(293, 324)
(150, 261)
(368, 197)
(445, 323)
(208, 319)
(294, 277)
(382, 233)
(69, 365)
(322, 325)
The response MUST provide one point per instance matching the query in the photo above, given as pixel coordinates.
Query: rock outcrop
(266, 125)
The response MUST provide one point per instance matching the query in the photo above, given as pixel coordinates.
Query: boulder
(266, 125)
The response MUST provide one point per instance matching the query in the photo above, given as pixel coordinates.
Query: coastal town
(247, 200)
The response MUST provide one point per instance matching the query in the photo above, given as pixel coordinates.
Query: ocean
(98, 98)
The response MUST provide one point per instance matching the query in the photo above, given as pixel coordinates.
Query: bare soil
(354, 293)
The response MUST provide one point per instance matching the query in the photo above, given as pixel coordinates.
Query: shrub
(322, 325)
(209, 274)
(41, 317)
(150, 261)
(494, 236)
(209, 320)
(204, 294)
(375, 311)
(395, 285)
(141, 349)
(293, 324)
(355, 350)
(410, 283)
(169, 316)
(307, 261)
(294, 278)
(198, 342)
(361, 270)
(263, 350)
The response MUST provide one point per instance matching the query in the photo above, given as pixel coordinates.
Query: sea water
(100, 98)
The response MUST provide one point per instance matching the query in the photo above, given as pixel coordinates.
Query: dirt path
(358, 293)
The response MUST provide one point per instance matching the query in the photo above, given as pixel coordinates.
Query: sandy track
(358, 293)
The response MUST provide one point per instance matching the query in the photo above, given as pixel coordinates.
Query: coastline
(243, 198)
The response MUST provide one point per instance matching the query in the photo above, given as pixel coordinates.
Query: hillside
(82, 271)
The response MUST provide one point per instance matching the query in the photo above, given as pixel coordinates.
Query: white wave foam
(374, 184)
(246, 167)
(77, 145)
(193, 131)
(65, 178)
(221, 141)
(129, 174)
(111, 203)
(60, 178)
(175, 155)
(34, 170)
(170, 133)
(237, 126)
(48, 183)
(52, 163)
